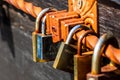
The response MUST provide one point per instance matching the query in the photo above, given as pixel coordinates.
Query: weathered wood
(16, 46)
(16, 50)
(109, 17)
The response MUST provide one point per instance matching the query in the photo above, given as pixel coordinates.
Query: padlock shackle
(79, 52)
(39, 17)
(71, 33)
(43, 25)
(96, 69)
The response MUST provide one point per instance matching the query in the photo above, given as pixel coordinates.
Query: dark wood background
(16, 45)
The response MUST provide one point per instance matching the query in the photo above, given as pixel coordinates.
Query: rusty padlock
(35, 38)
(108, 72)
(82, 61)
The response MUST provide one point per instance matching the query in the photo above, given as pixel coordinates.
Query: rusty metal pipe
(25, 6)
(111, 52)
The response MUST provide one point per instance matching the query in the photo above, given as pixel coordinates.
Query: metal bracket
(87, 10)
(80, 12)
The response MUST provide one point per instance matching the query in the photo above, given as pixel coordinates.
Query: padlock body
(43, 47)
(64, 58)
(82, 66)
(34, 45)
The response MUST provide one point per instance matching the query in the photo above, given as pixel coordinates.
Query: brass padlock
(64, 58)
(36, 32)
(82, 61)
(44, 41)
(108, 72)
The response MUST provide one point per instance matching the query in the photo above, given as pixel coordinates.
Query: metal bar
(111, 52)
(25, 6)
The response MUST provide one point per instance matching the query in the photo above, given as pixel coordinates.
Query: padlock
(36, 32)
(64, 58)
(82, 61)
(105, 72)
(44, 42)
